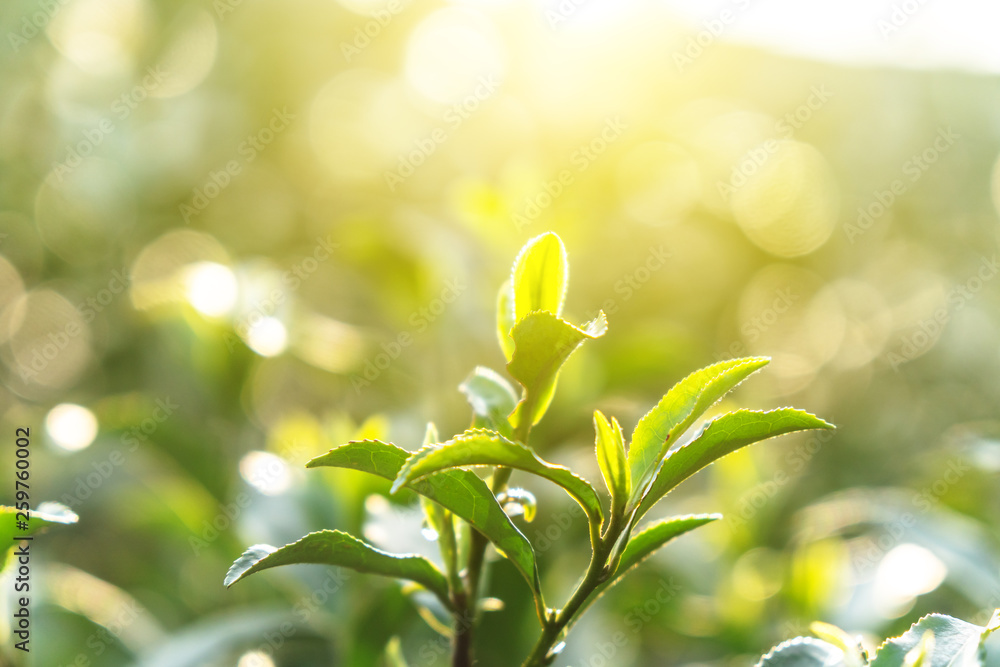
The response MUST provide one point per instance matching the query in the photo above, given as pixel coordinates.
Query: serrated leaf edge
(921, 620)
(746, 361)
(707, 424)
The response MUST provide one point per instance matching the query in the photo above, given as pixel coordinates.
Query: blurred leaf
(477, 447)
(334, 547)
(956, 643)
(209, 640)
(492, 399)
(816, 573)
(48, 514)
(687, 400)
(610, 445)
(721, 436)
(505, 318)
(964, 545)
(459, 491)
(543, 343)
(803, 652)
(394, 654)
(539, 276)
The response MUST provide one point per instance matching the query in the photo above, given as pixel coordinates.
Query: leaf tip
(242, 566)
(598, 326)
(399, 482)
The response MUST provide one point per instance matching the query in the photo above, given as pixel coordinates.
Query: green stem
(465, 616)
(596, 575)
(449, 553)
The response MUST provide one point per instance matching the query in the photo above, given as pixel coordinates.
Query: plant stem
(465, 615)
(461, 653)
(596, 575)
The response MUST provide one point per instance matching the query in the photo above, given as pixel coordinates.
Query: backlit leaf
(543, 343)
(724, 435)
(333, 547)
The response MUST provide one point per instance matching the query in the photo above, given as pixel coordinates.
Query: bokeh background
(237, 233)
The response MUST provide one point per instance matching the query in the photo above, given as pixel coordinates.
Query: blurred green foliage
(216, 237)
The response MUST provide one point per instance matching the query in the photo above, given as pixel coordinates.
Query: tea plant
(933, 641)
(468, 514)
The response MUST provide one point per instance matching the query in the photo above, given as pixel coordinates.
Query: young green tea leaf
(543, 343)
(956, 644)
(610, 445)
(724, 435)
(492, 399)
(803, 652)
(333, 547)
(478, 447)
(505, 318)
(539, 276)
(459, 491)
(855, 654)
(677, 410)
